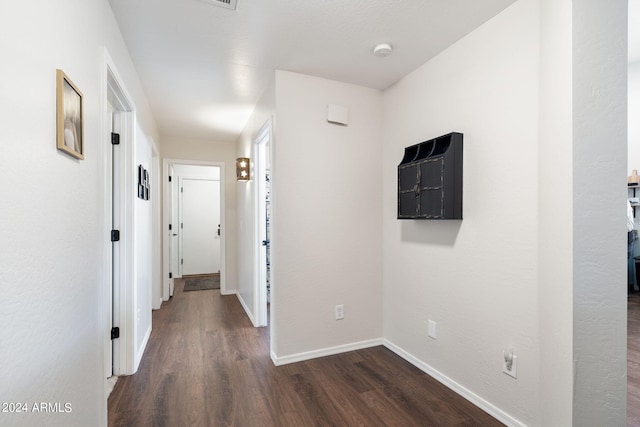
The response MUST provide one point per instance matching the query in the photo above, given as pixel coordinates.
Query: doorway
(199, 231)
(119, 119)
(263, 204)
(194, 220)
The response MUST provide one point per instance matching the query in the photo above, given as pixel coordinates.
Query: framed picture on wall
(69, 116)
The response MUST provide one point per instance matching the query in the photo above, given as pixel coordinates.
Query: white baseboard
(489, 408)
(330, 351)
(143, 347)
(246, 309)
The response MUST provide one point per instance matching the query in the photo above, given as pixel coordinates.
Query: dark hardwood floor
(633, 360)
(205, 365)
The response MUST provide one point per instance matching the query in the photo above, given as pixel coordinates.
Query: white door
(200, 226)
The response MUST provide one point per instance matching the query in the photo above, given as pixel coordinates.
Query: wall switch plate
(510, 364)
(339, 312)
(431, 329)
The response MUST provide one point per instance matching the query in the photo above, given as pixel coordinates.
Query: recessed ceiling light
(382, 49)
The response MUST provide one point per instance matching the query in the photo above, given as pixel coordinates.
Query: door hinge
(115, 138)
(182, 189)
(182, 225)
(115, 333)
(115, 235)
(181, 261)
(169, 227)
(169, 178)
(170, 275)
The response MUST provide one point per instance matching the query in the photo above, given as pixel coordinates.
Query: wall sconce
(242, 169)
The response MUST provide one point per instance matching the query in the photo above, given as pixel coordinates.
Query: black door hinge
(169, 178)
(115, 235)
(170, 228)
(115, 138)
(170, 275)
(115, 333)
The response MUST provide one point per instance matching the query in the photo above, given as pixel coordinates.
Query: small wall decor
(69, 116)
(430, 179)
(242, 169)
(144, 183)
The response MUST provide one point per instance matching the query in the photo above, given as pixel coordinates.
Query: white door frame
(156, 293)
(123, 349)
(261, 146)
(166, 215)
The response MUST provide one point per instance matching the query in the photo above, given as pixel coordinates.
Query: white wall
(327, 244)
(247, 273)
(197, 172)
(51, 279)
(142, 249)
(210, 151)
(599, 217)
(555, 215)
(476, 278)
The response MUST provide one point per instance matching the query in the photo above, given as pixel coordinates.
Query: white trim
(143, 347)
(123, 354)
(166, 204)
(262, 139)
(481, 403)
(246, 309)
(156, 206)
(323, 352)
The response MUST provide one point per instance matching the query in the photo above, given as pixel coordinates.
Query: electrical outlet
(510, 363)
(339, 312)
(431, 329)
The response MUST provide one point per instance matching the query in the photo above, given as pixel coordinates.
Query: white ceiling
(203, 67)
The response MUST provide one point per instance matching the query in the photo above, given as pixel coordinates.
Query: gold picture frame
(69, 116)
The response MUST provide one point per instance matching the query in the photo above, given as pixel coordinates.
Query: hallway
(206, 365)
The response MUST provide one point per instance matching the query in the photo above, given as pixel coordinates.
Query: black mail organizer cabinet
(430, 179)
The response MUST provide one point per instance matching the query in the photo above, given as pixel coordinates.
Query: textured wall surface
(327, 215)
(555, 215)
(51, 280)
(599, 193)
(476, 278)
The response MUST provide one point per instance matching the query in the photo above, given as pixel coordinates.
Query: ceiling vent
(227, 4)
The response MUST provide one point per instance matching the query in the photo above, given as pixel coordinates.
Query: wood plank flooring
(633, 361)
(206, 365)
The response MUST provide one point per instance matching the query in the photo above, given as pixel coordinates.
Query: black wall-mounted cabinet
(430, 179)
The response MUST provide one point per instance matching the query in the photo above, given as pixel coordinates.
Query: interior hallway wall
(247, 244)
(210, 151)
(476, 278)
(600, 72)
(326, 217)
(142, 251)
(52, 279)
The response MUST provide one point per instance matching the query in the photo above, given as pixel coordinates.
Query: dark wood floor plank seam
(206, 365)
